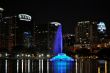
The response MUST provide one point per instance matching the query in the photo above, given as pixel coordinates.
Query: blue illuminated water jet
(58, 41)
(62, 66)
(58, 46)
(61, 57)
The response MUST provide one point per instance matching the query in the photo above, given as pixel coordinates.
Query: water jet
(58, 46)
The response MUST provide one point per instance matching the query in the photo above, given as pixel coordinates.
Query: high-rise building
(16, 31)
(86, 33)
(44, 35)
(8, 32)
(68, 40)
(68, 43)
(3, 30)
(24, 30)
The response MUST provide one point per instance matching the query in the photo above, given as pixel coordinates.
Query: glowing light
(6, 66)
(1, 9)
(101, 27)
(48, 55)
(27, 39)
(17, 66)
(22, 54)
(58, 46)
(17, 55)
(58, 41)
(28, 66)
(24, 17)
(29, 55)
(56, 23)
(61, 62)
(42, 54)
(106, 67)
(6, 54)
(98, 69)
(76, 66)
(42, 65)
(62, 66)
(22, 63)
(27, 34)
(47, 66)
(61, 57)
(39, 56)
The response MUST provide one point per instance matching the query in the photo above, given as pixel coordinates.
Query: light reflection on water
(45, 66)
(34, 66)
(62, 66)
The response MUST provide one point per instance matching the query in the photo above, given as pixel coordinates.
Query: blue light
(61, 62)
(61, 57)
(58, 41)
(58, 47)
(27, 34)
(27, 39)
(62, 66)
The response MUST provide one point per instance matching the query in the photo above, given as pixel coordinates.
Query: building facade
(86, 33)
(15, 32)
(44, 35)
(91, 34)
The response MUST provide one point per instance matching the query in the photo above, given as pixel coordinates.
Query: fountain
(58, 46)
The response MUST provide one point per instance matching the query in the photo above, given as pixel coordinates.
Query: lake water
(45, 66)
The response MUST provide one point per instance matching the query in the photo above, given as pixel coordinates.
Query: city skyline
(65, 12)
(31, 39)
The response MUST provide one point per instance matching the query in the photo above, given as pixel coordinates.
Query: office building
(86, 33)
(16, 31)
(44, 35)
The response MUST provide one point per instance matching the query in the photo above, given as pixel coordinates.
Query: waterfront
(32, 66)
(81, 65)
(30, 46)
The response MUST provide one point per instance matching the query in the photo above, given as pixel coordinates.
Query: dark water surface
(45, 66)
(34, 66)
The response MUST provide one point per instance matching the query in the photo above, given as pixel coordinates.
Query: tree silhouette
(83, 52)
(104, 53)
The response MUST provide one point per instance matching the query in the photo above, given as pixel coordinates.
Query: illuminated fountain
(58, 45)
(61, 63)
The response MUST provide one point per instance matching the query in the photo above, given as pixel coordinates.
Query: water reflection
(6, 65)
(45, 66)
(62, 66)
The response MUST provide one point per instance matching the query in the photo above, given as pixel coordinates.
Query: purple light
(58, 41)
(58, 46)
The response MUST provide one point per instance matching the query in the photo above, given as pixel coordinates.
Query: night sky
(64, 11)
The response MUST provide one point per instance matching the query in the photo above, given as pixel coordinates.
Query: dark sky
(65, 11)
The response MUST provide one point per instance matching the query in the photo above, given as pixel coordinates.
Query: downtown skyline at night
(66, 12)
(54, 36)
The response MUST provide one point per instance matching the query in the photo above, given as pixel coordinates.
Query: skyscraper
(16, 31)
(24, 30)
(44, 35)
(86, 33)
(68, 39)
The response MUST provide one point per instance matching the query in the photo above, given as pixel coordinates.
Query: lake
(81, 65)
